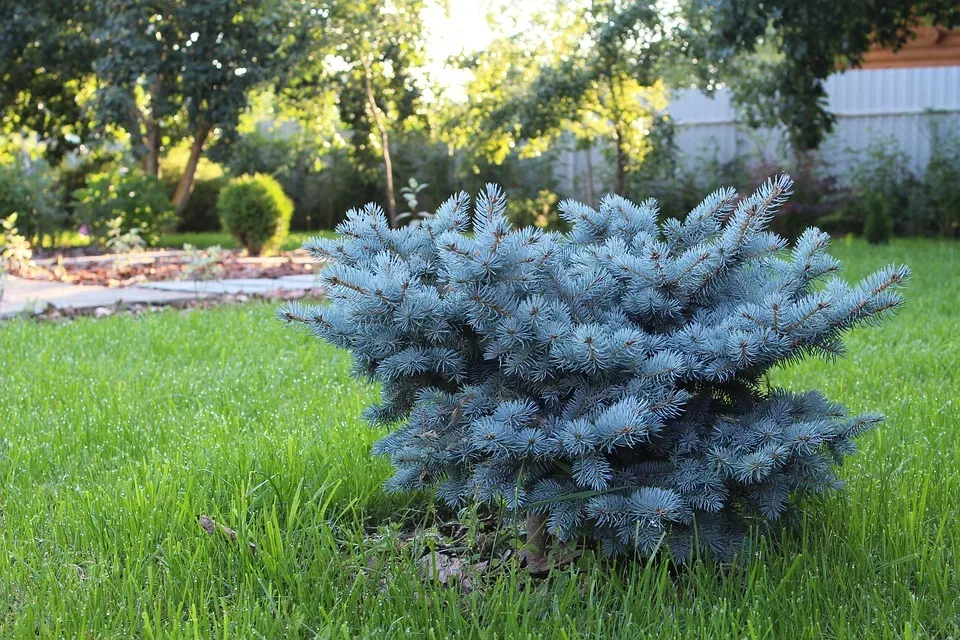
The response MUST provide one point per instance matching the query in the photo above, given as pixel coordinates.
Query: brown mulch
(113, 271)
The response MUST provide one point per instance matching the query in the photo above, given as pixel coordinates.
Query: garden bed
(124, 270)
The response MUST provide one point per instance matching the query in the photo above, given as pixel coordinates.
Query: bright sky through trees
(464, 26)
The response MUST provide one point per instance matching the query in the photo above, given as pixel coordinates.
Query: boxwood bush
(256, 211)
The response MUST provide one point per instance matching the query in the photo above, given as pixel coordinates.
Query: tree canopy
(162, 71)
(594, 73)
(813, 39)
(365, 53)
(45, 60)
(160, 74)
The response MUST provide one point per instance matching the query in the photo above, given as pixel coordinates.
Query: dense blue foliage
(610, 378)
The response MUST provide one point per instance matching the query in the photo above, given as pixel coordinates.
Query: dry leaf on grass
(540, 565)
(450, 570)
(440, 567)
(210, 526)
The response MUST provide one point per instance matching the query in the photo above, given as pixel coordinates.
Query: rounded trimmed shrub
(256, 211)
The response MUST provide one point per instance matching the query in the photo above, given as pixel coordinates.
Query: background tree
(45, 61)
(366, 53)
(171, 71)
(598, 78)
(501, 74)
(811, 40)
(163, 71)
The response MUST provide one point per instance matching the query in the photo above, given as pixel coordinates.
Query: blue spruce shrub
(608, 380)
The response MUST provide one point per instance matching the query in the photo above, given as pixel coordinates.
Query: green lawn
(118, 432)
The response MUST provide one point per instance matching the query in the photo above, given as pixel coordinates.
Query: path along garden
(205, 473)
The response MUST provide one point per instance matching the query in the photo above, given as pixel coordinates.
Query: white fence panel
(908, 105)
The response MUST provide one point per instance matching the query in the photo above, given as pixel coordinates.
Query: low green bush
(881, 183)
(878, 225)
(941, 187)
(293, 159)
(138, 199)
(256, 211)
(28, 189)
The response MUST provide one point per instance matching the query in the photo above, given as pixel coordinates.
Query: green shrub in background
(256, 211)
(323, 180)
(878, 225)
(74, 172)
(138, 199)
(678, 185)
(200, 214)
(881, 185)
(293, 159)
(878, 188)
(540, 211)
(941, 187)
(29, 190)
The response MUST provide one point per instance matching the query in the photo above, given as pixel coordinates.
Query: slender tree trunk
(590, 200)
(152, 160)
(185, 186)
(152, 140)
(384, 143)
(620, 180)
(535, 549)
(619, 124)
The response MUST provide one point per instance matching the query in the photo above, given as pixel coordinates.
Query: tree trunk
(620, 180)
(534, 554)
(185, 186)
(590, 200)
(384, 143)
(152, 160)
(152, 125)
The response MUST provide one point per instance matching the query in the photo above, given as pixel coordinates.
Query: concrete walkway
(234, 285)
(35, 295)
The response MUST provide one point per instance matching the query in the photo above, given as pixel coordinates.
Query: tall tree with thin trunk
(378, 117)
(594, 71)
(364, 52)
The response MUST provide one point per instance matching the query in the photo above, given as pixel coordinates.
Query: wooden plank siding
(932, 47)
